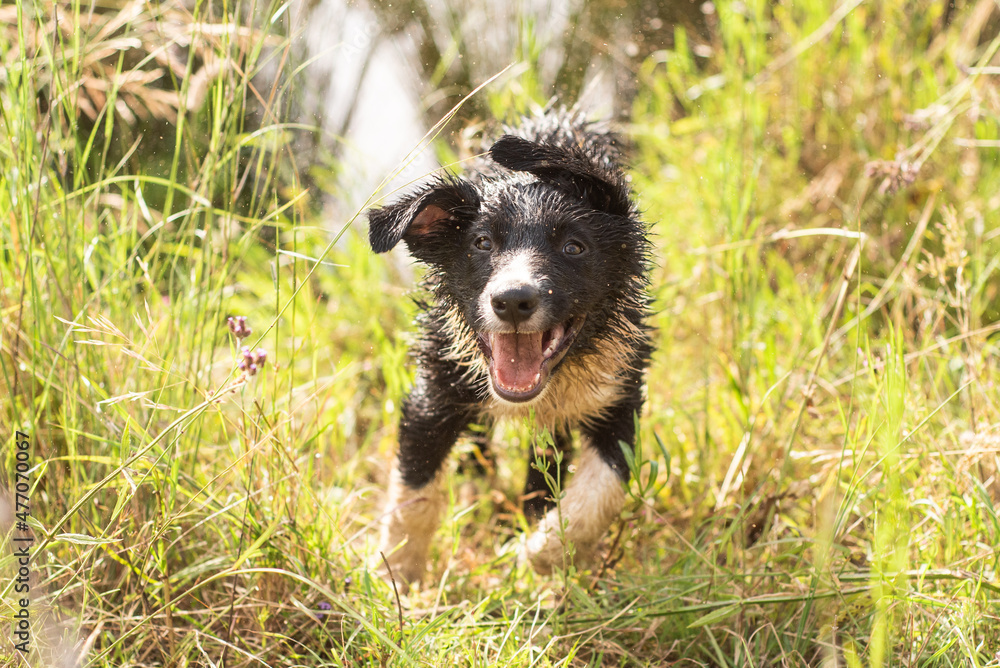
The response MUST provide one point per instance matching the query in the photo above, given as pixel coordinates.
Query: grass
(818, 472)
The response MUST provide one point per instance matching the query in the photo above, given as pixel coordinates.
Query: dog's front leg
(432, 419)
(593, 499)
(537, 493)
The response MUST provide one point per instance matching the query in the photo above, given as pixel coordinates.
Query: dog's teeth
(555, 338)
(520, 362)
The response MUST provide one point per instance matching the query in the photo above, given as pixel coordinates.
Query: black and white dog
(537, 270)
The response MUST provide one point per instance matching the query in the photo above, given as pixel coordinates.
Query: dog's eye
(484, 243)
(573, 248)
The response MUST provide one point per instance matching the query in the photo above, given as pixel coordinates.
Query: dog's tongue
(517, 360)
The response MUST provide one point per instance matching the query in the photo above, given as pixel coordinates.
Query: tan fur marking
(411, 518)
(464, 350)
(594, 498)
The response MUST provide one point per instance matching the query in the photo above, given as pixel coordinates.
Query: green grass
(818, 473)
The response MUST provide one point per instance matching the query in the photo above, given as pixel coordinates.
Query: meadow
(818, 476)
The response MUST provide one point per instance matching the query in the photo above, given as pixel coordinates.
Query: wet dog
(537, 266)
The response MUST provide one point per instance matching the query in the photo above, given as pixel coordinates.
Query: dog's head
(541, 262)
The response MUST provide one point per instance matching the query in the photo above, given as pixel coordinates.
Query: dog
(537, 276)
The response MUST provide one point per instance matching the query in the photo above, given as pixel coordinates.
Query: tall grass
(817, 477)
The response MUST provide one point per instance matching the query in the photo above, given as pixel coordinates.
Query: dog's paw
(404, 564)
(545, 551)
(542, 553)
(407, 528)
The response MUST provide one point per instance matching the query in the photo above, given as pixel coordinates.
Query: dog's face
(536, 262)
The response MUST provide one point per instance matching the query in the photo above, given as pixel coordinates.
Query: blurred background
(380, 75)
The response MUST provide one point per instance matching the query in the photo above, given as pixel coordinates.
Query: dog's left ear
(420, 218)
(603, 185)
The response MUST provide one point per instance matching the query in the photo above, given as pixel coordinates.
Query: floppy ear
(602, 183)
(418, 219)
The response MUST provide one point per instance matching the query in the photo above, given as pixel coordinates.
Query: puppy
(537, 269)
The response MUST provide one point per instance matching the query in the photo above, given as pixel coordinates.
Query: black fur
(551, 195)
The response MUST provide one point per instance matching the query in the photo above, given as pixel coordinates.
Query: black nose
(515, 304)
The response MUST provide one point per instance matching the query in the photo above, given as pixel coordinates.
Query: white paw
(401, 566)
(545, 551)
(593, 500)
(409, 523)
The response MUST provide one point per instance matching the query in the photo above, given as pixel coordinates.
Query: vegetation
(817, 482)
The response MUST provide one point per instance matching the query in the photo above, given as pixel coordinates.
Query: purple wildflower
(238, 327)
(252, 361)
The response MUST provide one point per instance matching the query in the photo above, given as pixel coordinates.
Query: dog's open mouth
(520, 362)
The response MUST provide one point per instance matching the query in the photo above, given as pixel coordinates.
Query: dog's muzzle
(520, 363)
